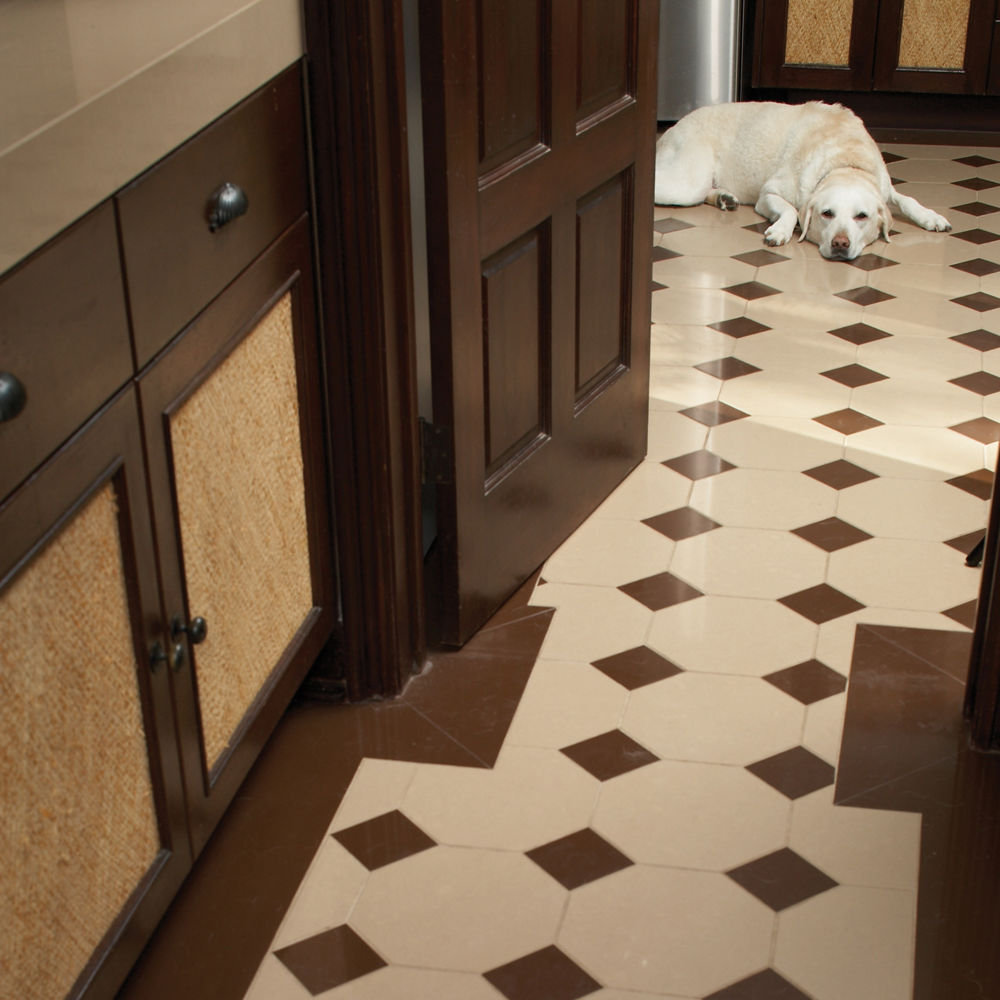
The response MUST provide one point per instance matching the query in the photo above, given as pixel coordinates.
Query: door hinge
(436, 457)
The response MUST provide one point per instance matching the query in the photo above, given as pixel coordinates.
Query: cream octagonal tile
(917, 246)
(748, 562)
(701, 272)
(824, 728)
(821, 276)
(917, 402)
(546, 717)
(673, 344)
(903, 278)
(791, 311)
(649, 489)
(852, 942)
(664, 929)
(732, 635)
(681, 815)
(923, 313)
(673, 387)
(699, 306)
(763, 498)
(460, 909)
(915, 357)
(906, 508)
(915, 452)
(609, 552)
(805, 351)
(713, 718)
(903, 573)
(591, 622)
(713, 241)
(529, 797)
(776, 443)
(378, 787)
(672, 434)
(872, 847)
(395, 982)
(927, 170)
(779, 393)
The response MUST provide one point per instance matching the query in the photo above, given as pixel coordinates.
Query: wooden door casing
(539, 130)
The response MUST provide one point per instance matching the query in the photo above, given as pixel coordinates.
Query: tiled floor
(654, 817)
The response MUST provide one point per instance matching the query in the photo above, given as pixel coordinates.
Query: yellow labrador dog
(812, 164)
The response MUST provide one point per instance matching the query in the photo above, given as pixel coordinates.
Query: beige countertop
(94, 91)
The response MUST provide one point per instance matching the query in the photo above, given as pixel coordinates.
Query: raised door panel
(815, 44)
(234, 433)
(93, 836)
(538, 270)
(934, 46)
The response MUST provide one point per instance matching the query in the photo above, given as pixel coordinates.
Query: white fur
(811, 164)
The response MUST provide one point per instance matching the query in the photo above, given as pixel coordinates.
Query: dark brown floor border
(218, 929)
(905, 747)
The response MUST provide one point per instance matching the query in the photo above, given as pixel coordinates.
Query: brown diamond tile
(685, 522)
(831, 534)
(978, 267)
(713, 414)
(727, 368)
(739, 327)
(766, 985)
(579, 858)
(329, 959)
(982, 429)
(545, 975)
(964, 614)
(657, 286)
(860, 333)
(699, 464)
(781, 879)
(637, 667)
(839, 475)
(848, 421)
(976, 184)
(808, 682)
(977, 236)
(760, 258)
(758, 227)
(888, 157)
(979, 484)
(854, 375)
(872, 262)
(965, 543)
(662, 253)
(384, 839)
(981, 383)
(671, 225)
(610, 754)
(864, 295)
(979, 340)
(663, 590)
(975, 160)
(979, 301)
(821, 603)
(794, 772)
(976, 208)
(751, 290)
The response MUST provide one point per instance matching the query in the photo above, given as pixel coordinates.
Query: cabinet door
(815, 44)
(934, 46)
(93, 840)
(234, 437)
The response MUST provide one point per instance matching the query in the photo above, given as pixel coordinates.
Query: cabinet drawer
(174, 263)
(64, 339)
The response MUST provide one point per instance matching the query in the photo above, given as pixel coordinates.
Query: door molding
(357, 115)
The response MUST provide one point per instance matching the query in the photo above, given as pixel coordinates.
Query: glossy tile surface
(713, 753)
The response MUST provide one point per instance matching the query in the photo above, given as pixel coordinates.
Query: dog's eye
(828, 214)
(861, 216)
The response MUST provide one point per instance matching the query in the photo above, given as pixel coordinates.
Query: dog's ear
(884, 221)
(804, 222)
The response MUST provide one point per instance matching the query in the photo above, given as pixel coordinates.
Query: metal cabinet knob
(226, 204)
(196, 630)
(13, 396)
(158, 655)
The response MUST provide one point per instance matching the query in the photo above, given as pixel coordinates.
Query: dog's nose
(840, 243)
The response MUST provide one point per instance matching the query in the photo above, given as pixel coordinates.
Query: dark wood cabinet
(874, 45)
(167, 573)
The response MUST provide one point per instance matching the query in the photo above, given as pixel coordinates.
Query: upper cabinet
(924, 46)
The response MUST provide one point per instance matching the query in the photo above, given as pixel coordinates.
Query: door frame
(357, 119)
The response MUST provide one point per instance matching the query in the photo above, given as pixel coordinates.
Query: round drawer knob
(196, 630)
(226, 204)
(13, 396)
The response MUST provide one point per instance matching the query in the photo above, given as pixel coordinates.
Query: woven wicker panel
(819, 32)
(241, 499)
(933, 34)
(77, 826)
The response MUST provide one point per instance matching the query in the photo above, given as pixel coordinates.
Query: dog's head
(844, 214)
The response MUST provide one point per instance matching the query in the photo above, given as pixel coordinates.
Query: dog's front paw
(778, 234)
(936, 223)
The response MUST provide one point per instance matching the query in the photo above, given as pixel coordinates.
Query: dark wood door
(539, 122)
